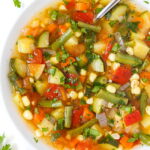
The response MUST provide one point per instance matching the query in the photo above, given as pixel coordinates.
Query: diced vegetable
(125, 143)
(56, 76)
(71, 42)
(145, 138)
(68, 116)
(143, 102)
(102, 119)
(82, 60)
(145, 121)
(50, 104)
(18, 100)
(101, 80)
(118, 12)
(36, 70)
(115, 99)
(41, 86)
(140, 49)
(97, 105)
(132, 118)
(80, 129)
(58, 113)
(60, 41)
(128, 59)
(147, 89)
(89, 27)
(43, 40)
(106, 146)
(26, 45)
(97, 65)
(20, 67)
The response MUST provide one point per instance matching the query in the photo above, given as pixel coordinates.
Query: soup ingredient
(143, 102)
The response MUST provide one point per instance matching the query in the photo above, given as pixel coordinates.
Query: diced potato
(45, 124)
(72, 41)
(58, 113)
(18, 100)
(26, 45)
(146, 121)
(107, 27)
(137, 35)
(140, 49)
(99, 47)
(147, 88)
(41, 86)
(36, 70)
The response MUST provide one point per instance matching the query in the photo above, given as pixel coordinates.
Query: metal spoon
(106, 9)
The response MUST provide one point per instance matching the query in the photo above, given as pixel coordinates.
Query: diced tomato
(122, 75)
(39, 116)
(36, 57)
(86, 17)
(54, 91)
(132, 118)
(107, 51)
(72, 79)
(77, 117)
(84, 145)
(70, 5)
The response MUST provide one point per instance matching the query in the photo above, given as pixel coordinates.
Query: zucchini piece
(56, 76)
(118, 12)
(97, 105)
(101, 80)
(97, 65)
(50, 104)
(26, 45)
(82, 60)
(43, 41)
(18, 100)
(46, 125)
(20, 67)
(140, 49)
(58, 113)
(68, 116)
(36, 70)
(41, 86)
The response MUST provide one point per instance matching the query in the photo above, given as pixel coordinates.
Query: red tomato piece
(72, 79)
(54, 91)
(77, 117)
(84, 145)
(70, 5)
(84, 17)
(107, 51)
(132, 118)
(122, 75)
(37, 57)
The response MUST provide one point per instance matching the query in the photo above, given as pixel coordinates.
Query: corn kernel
(129, 50)
(136, 90)
(92, 77)
(115, 65)
(26, 101)
(89, 101)
(112, 57)
(38, 133)
(116, 136)
(135, 77)
(134, 83)
(73, 94)
(83, 72)
(80, 95)
(27, 115)
(111, 89)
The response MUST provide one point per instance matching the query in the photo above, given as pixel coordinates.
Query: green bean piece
(101, 80)
(145, 138)
(80, 129)
(50, 104)
(60, 41)
(89, 26)
(68, 116)
(144, 65)
(143, 102)
(115, 99)
(128, 60)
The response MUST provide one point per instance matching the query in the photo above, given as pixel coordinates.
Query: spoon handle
(107, 9)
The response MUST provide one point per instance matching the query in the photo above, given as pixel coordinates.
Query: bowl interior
(4, 65)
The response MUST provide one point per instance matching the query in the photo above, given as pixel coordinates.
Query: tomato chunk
(132, 118)
(84, 145)
(84, 17)
(70, 5)
(122, 75)
(36, 57)
(72, 79)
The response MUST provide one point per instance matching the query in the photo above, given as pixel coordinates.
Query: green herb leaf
(52, 71)
(55, 136)
(116, 47)
(46, 55)
(91, 133)
(133, 26)
(44, 129)
(17, 3)
(54, 15)
(6, 147)
(97, 10)
(36, 140)
(148, 38)
(113, 22)
(2, 137)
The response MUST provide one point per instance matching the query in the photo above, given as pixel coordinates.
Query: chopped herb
(44, 129)
(54, 15)
(6, 147)
(74, 25)
(82, 102)
(64, 55)
(67, 86)
(28, 108)
(134, 138)
(91, 133)
(133, 26)
(113, 22)
(144, 80)
(148, 38)
(111, 122)
(90, 107)
(66, 2)
(127, 108)
(17, 3)
(30, 55)
(52, 71)
(62, 79)
(36, 140)
(108, 15)
(2, 137)
(58, 56)
(30, 36)
(55, 136)
(97, 10)
(46, 55)
(59, 125)
(147, 2)
(96, 89)
(116, 47)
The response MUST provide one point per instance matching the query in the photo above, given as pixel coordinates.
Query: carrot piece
(81, 6)
(62, 29)
(87, 114)
(69, 60)
(145, 75)
(124, 142)
(140, 20)
(82, 78)
(52, 27)
(74, 142)
(38, 117)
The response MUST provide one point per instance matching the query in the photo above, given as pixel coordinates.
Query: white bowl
(5, 89)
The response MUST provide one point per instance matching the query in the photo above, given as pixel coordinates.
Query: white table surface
(8, 15)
